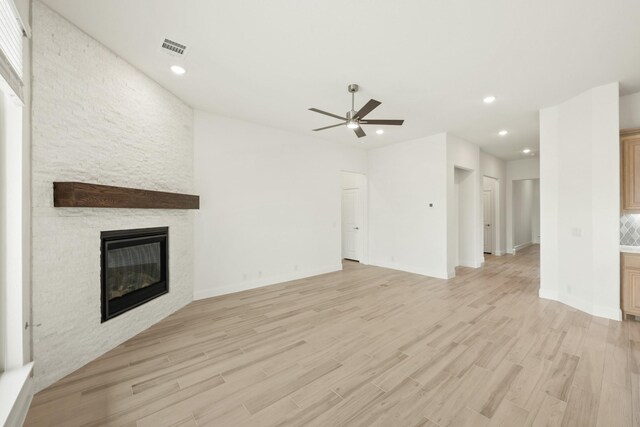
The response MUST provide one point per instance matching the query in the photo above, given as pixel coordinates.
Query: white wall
(405, 232)
(353, 180)
(580, 202)
(528, 168)
(517, 170)
(493, 167)
(270, 204)
(630, 111)
(465, 249)
(97, 119)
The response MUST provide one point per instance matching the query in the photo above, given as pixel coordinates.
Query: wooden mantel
(85, 195)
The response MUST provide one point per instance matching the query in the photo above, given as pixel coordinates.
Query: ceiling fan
(354, 119)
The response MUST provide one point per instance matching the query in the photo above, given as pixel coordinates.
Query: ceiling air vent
(173, 48)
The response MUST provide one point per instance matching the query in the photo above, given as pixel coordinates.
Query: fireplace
(134, 269)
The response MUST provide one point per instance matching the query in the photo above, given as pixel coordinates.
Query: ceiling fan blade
(359, 132)
(392, 122)
(328, 114)
(329, 127)
(368, 107)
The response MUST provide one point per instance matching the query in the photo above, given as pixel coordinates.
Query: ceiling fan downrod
(353, 88)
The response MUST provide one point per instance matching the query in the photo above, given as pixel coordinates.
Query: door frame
(512, 247)
(492, 217)
(364, 229)
(497, 217)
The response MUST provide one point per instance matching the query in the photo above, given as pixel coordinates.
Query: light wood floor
(366, 346)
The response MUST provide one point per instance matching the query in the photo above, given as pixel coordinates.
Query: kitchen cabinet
(630, 170)
(630, 289)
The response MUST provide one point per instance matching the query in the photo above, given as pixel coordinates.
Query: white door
(351, 227)
(487, 198)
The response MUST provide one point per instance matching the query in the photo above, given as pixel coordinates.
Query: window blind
(11, 32)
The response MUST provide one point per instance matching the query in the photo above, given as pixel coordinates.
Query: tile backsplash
(630, 229)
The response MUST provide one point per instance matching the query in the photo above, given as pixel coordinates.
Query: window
(14, 215)
(11, 184)
(11, 53)
(11, 49)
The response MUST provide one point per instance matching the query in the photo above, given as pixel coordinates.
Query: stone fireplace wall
(97, 119)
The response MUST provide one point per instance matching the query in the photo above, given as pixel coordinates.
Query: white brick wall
(97, 119)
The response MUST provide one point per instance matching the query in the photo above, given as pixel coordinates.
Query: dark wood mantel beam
(85, 195)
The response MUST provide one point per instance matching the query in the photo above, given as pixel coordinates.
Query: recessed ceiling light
(380, 131)
(526, 151)
(503, 132)
(488, 99)
(178, 70)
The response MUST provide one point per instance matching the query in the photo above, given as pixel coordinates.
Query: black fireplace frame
(124, 238)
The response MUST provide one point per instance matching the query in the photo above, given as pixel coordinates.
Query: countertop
(630, 249)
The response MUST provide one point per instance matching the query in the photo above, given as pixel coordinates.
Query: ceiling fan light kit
(355, 119)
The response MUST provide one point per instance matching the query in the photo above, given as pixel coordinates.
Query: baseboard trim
(607, 312)
(467, 263)
(612, 313)
(409, 269)
(521, 246)
(267, 281)
(547, 294)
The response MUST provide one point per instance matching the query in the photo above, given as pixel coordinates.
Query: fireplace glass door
(134, 268)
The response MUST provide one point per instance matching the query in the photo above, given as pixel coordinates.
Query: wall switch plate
(576, 231)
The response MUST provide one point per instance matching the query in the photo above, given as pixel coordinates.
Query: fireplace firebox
(134, 269)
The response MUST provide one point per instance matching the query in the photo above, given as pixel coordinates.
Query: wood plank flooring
(367, 346)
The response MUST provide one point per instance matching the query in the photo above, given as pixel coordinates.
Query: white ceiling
(429, 62)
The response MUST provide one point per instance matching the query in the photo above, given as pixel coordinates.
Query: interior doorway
(354, 218)
(526, 213)
(490, 215)
(465, 217)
